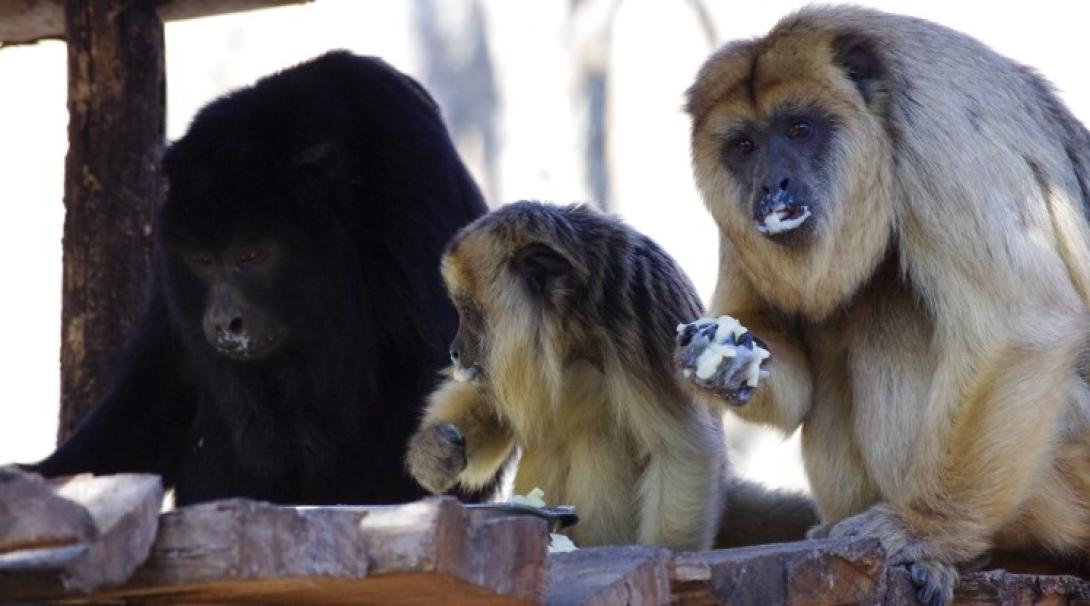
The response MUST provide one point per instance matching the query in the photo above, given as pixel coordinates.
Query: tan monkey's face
(770, 127)
(793, 162)
(782, 162)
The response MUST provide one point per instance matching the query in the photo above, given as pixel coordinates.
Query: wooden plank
(26, 21)
(609, 575)
(835, 571)
(246, 552)
(994, 588)
(125, 510)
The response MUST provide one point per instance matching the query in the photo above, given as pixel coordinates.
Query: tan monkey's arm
(782, 399)
(460, 440)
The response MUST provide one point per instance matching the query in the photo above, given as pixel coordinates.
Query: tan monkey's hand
(721, 356)
(437, 454)
(934, 577)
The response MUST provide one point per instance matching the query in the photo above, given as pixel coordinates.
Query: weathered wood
(245, 552)
(835, 571)
(32, 515)
(24, 21)
(846, 571)
(609, 575)
(115, 135)
(125, 510)
(994, 588)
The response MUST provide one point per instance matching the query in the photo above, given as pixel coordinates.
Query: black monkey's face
(782, 164)
(235, 321)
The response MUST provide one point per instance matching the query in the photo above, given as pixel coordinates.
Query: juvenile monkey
(902, 215)
(564, 350)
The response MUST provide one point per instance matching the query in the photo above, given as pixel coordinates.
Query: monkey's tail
(756, 515)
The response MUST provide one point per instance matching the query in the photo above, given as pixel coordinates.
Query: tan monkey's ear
(856, 56)
(542, 268)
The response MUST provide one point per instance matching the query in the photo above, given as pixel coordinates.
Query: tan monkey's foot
(720, 356)
(934, 578)
(437, 454)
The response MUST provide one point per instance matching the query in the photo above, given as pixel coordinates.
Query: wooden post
(116, 106)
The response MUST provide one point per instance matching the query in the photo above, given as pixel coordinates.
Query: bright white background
(654, 52)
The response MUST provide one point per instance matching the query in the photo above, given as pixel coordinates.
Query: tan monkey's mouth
(782, 218)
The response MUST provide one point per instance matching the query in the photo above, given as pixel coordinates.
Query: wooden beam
(116, 123)
(27, 21)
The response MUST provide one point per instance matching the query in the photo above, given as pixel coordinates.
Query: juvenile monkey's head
(512, 276)
(542, 288)
(792, 156)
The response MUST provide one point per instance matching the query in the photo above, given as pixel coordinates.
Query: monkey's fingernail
(451, 433)
(742, 395)
(685, 336)
(919, 574)
(745, 340)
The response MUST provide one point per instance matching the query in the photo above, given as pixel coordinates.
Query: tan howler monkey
(903, 220)
(565, 350)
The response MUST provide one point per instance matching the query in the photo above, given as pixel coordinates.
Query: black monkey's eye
(249, 256)
(800, 130)
(201, 259)
(742, 146)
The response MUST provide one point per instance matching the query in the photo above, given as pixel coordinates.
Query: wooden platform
(431, 551)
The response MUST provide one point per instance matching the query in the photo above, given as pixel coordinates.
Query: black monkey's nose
(235, 326)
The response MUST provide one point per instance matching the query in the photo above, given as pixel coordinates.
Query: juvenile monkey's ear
(856, 56)
(542, 268)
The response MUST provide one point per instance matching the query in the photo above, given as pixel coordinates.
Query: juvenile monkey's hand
(437, 454)
(721, 356)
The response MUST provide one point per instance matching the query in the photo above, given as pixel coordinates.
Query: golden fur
(580, 378)
(927, 338)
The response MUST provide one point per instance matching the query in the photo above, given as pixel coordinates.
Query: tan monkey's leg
(461, 440)
(987, 434)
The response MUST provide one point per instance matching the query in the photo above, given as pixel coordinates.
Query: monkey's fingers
(436, 456)
(935, 580)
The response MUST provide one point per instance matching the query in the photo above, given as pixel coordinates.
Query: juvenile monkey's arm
(460, 440)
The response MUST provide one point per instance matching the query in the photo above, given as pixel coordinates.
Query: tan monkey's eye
(742, 146)
(799, 130)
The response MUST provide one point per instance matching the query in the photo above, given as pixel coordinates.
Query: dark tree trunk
(115, 132)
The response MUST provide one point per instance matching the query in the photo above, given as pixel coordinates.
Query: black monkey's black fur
(344, 163)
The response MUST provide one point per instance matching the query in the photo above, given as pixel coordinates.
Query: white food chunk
(772, 224)
(535, 498)
(559, 543)
(710, 358)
